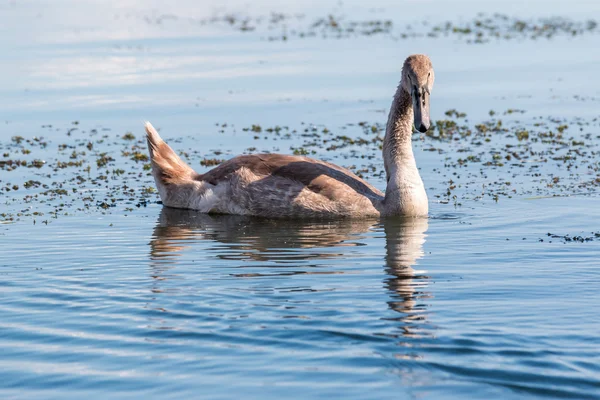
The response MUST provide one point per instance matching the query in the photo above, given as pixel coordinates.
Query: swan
(277, 185)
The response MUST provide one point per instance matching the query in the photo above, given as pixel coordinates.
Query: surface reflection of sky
(104, 60)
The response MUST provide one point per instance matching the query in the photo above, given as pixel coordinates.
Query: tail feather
(167, 167)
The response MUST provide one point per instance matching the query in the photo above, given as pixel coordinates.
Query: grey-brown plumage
(275, 185)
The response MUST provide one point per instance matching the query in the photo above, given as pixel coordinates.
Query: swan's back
(276, 185)
(319, 176)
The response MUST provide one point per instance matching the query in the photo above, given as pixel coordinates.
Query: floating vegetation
(484, 28)
(10, 165)
(139, 156)
(576, 238)
(209, 162)
(340, 28)
(103, 159)
(32, 184)
(481, 28)
(71, 180)
(490, 159)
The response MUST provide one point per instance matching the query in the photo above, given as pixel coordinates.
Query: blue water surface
(490, 297)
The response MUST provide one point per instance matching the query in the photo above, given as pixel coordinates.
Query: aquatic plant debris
(481, 28)
(573, 239)
(499, 157)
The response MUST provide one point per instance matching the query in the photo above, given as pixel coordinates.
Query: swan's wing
(321, 177)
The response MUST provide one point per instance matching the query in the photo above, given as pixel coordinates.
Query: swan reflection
(251, 238)
(241, 238)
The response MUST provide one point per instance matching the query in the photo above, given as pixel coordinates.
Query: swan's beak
(421, 110)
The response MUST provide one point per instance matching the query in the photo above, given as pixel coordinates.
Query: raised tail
(167, 168)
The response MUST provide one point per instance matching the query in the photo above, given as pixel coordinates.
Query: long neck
(405, 194)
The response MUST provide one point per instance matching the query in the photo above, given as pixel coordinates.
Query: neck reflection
(404, 246)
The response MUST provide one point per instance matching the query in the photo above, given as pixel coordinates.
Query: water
(105, 293)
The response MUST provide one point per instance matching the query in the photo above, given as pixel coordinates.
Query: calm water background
(476, 302)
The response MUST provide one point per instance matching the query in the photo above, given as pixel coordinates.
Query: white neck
(405, 193)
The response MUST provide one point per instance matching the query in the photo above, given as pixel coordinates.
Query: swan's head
(417, 79)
